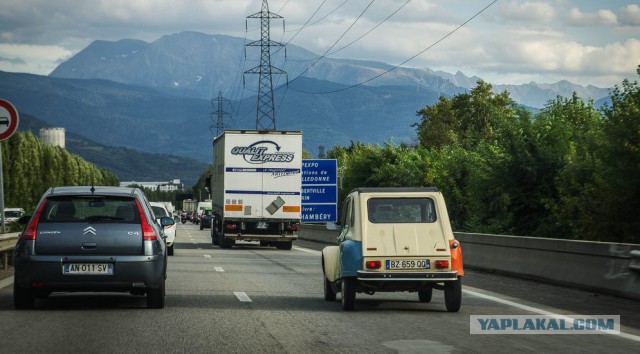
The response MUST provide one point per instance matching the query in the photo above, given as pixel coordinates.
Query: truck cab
(394, 239)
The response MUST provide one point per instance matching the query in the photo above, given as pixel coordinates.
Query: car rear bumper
(407, 276)
(129, 273)
(402, 281)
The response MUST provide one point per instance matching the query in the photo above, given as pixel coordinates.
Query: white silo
(52, 136)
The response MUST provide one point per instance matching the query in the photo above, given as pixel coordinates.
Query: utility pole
(218, 103)
(265, 115)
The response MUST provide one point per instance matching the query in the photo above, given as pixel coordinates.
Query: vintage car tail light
(442, 264)
(148, 232)
(373, 264)
(30, 231)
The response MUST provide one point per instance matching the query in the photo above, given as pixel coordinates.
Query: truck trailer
(256, 186)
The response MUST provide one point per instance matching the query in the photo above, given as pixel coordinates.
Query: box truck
(256, 186)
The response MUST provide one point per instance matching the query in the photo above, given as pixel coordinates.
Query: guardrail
(603, 267)
(7, 243)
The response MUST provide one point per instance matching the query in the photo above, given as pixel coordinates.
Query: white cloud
(599, 18)
(630, 15)
(526, 12)
(31, 58)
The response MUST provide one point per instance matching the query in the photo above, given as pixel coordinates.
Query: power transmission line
(336, 42)
(404, 62)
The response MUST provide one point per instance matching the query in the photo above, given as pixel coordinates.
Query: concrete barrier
(604, 267)
(7, 243)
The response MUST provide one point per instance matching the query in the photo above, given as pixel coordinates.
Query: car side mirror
(166, 221)
(24, 219)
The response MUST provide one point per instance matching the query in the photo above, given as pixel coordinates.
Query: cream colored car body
(380, 237)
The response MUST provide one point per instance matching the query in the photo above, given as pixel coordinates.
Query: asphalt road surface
(252, 299)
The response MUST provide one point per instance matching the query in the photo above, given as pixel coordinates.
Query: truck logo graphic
(262, 152)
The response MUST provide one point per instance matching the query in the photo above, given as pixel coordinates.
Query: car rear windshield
(90, 209)
(401, 210)
(159, 211)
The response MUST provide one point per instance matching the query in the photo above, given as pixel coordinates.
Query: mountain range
(156, 97)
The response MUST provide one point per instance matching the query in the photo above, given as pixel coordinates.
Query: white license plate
(408, 264)
(88, 268)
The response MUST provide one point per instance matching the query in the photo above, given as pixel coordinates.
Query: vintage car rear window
(401, 210)
(90, 209)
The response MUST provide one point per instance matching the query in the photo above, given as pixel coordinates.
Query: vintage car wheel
(348, 293)
(329, 294)
(286, 245)
(453, 295)
(424, 295)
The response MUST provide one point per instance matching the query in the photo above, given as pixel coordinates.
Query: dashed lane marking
(219, 269)
(242, 296)
(207, 256)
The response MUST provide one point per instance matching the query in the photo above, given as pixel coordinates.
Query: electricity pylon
(219, 104)
(265, 115)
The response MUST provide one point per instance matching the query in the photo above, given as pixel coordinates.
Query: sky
(504, 42)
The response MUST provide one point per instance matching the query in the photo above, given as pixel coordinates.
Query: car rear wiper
(102, 217)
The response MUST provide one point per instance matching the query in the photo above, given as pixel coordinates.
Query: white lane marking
(207, 256)
(219, 269)
(306, 250)
(6, 282)
(538, 311)
(242, 296)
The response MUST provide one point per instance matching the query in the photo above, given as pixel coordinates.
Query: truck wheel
(453, 295)
(226, 243)
(214, 236)
(424, 295)
(348, 293)
(329, 294)
(284, 245)
(23, 298)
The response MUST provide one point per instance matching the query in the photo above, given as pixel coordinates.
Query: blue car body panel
(350, 258)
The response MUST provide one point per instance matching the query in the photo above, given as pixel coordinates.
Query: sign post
(8, 124)
(319, 190)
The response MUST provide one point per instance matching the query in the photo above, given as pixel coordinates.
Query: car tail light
(30, 231)
(442, 264)
(148, 232)
(373, 264)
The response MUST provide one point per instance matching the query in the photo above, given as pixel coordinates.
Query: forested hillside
(567, 171)
(30, 168)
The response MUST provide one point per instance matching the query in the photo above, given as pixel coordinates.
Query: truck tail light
(148, 232)
(30, 231)
(442, 264)
(292, 227)
(373, 264)
(231, 227)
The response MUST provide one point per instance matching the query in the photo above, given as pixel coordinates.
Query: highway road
(256, 299)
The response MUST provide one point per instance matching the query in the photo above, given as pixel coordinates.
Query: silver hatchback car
(102, 239)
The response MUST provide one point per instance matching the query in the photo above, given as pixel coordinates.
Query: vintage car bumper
(407, 276)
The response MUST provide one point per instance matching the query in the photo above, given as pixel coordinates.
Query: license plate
(262, 225)
(408, 264)
(88, 268)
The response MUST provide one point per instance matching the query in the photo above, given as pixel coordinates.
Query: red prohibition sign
(8, 120)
